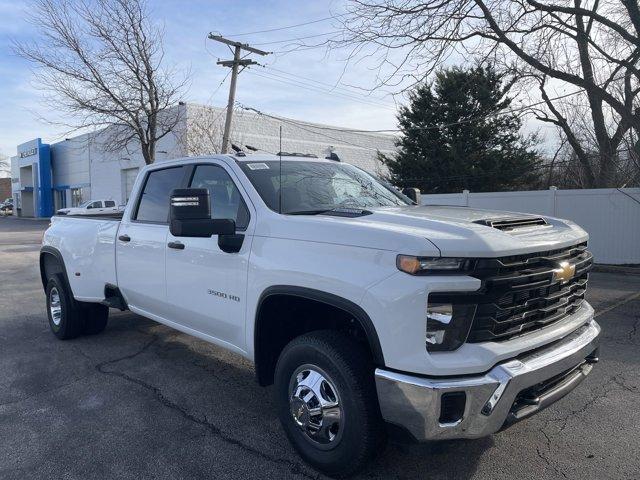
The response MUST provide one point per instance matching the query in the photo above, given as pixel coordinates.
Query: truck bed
(88, 247)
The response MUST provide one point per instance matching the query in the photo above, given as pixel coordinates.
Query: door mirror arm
(230, 243)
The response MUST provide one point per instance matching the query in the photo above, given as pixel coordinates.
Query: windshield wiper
(336, 211)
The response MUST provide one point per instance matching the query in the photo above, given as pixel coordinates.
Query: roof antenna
(280, 181)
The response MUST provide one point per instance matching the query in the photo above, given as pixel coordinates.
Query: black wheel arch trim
(47, 250)
(334, 300)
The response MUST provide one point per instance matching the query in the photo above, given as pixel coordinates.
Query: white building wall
(611, 216)
(262, 132)
(108, 169)
(70, 162)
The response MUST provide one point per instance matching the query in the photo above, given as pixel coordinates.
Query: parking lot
(144, 401)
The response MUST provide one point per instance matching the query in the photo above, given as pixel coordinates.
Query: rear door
(110, 206)
(206, 286)
(142, 240)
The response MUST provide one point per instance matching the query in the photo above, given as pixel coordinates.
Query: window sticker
(258, 166)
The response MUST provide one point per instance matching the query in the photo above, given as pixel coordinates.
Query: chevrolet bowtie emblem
(564, 272)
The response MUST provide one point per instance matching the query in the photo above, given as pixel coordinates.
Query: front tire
(327, 402)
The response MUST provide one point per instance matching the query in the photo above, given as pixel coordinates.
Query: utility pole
(234, 64)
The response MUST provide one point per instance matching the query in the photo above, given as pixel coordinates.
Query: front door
(142, 240)
(95, 208)
(206, 286)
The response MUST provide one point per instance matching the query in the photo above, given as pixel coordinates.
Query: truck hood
(462, 231)
(437, 230)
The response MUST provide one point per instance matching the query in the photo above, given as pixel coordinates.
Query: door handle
(124, 238)
(176, 245)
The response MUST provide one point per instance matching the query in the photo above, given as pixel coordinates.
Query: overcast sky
(187, 24)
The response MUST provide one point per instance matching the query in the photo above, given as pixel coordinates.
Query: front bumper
(476, 406)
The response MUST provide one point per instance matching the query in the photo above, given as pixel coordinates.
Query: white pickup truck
(91, 207)
(369, 313)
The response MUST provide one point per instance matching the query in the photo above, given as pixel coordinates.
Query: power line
(297, 48)
(297, 125)
(276, 29)
(328, 90)
(290, 40)
(333, 87)
(278, 78)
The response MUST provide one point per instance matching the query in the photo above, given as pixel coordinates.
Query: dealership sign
(28, 153)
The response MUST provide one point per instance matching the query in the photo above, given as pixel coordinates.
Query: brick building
(5, 189)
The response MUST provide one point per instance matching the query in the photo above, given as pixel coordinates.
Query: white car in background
(92, 207)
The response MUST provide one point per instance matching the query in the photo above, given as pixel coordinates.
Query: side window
(154, 202)
(109, 203)
(95, 205)
(226, 201)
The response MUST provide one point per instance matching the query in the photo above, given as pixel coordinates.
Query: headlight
(426, 265)
(448, 325)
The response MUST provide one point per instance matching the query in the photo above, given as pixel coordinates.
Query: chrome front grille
(520, 294)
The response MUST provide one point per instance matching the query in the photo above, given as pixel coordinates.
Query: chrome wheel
(315, 406)
(55, 307)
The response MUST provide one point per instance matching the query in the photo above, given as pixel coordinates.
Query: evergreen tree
(457, 134)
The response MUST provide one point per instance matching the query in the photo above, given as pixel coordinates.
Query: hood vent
(510, 224)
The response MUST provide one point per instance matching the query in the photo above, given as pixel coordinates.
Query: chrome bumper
(509, 392)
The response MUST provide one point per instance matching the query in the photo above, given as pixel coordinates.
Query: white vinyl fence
(611, 216)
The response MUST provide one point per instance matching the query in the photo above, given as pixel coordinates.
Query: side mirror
(190, 215)
(414, 194)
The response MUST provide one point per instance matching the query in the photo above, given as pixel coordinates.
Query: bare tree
(567, 170)
(101, 61)
(4, 164)
(592, 45)
(202, 133)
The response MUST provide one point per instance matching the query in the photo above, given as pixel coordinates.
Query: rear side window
(154, 202)
(109, 203)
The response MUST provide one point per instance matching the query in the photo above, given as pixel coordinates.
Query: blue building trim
(45, 192)
(37, 156)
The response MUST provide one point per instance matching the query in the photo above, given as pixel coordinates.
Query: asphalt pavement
(142, 400)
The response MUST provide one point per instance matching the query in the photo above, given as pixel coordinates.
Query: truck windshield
(310, 187)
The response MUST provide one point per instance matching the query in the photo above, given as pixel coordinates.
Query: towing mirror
(190, 215)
